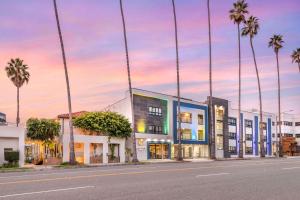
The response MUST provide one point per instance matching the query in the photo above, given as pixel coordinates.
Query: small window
(297, 123)
(154, 111)
(297, 135)
(248, 123)
(201, 135)
(232, 135)
(200, 120)
(232, 121)
(186, 134)
(186, 117)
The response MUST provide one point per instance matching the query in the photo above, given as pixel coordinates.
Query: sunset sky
(95, 53)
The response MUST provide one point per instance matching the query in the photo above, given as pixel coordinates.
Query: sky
(93, 37)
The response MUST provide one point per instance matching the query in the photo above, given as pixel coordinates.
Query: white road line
(289, 168)
(45, 191)
(219, 174)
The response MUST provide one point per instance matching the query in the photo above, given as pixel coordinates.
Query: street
(267, 179)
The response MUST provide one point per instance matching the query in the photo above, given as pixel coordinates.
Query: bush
(11, 156)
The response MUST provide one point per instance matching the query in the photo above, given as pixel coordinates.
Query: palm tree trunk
(72, 152)
(211, 125)
(261, 133)
(279, 106)
(179, 152)
(135, 159)
(18, 106)
(299, 66)
(241, 152)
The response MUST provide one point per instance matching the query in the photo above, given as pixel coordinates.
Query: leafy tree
(276, 43)
(104, 123)
(18, 73)
(251, 27)
(237, 15)
(44, 130)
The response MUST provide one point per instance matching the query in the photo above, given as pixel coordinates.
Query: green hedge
(11, 156)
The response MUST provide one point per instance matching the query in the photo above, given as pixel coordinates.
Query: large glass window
(200, 120)
(159, 151)
(186, 117)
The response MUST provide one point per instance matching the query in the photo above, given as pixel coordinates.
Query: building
(89, 148)
(11, 138)
(155, 117)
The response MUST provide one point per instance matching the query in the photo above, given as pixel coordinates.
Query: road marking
(289, 168)
(205, 175)
(46, 191)
(137, 173)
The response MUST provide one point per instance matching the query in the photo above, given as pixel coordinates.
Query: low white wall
(12, 137)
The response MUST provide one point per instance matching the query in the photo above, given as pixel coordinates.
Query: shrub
(11, 156)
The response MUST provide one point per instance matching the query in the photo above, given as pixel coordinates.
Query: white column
(21, 147)
(86, 153)
(122, 152)
(105, 152)
(66, 148)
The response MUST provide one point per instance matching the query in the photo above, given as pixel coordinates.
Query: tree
(251, 27)
(179, 151)
(211, 125)
(237, 15)
(276, 43)
(44, 130)
(18, 73)
(135, 159)
(296, 57)
(104, 123)
(72, 152)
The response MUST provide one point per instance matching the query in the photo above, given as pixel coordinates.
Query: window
(186, 134)
(248, 136)
(248, 150)
(186, 117)
(288, 135)
(286, 123)
(201, 134)
(273, 123)
(8, 149)
(154, 129)
(264, 125)
(232, 149)
(232, 121)
(297, 135)
(200, 120)
(297, 123)
(154, 111)
(248, 123)
(232, 135)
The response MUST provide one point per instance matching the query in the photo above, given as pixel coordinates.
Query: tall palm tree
(18, 73)
(211, 125)
(179, 151)
(251, 27)
(134, 159)
(237, 15)
(72, 151)
(276, 43)
(296, 57)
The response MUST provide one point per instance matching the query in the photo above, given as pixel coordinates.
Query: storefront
(159, 150)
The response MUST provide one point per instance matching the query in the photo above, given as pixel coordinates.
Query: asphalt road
(268, 179)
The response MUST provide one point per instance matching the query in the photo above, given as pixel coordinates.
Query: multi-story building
(155, 117)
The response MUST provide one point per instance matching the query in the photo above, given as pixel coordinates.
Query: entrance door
(158, 151)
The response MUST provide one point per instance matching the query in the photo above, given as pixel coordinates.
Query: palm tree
(72, 151)
(276, 43)
(18, 73)
(211, 125)
(251, 27)
(135, 159)
(237, 15)
(296, 57)
(179, 151)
